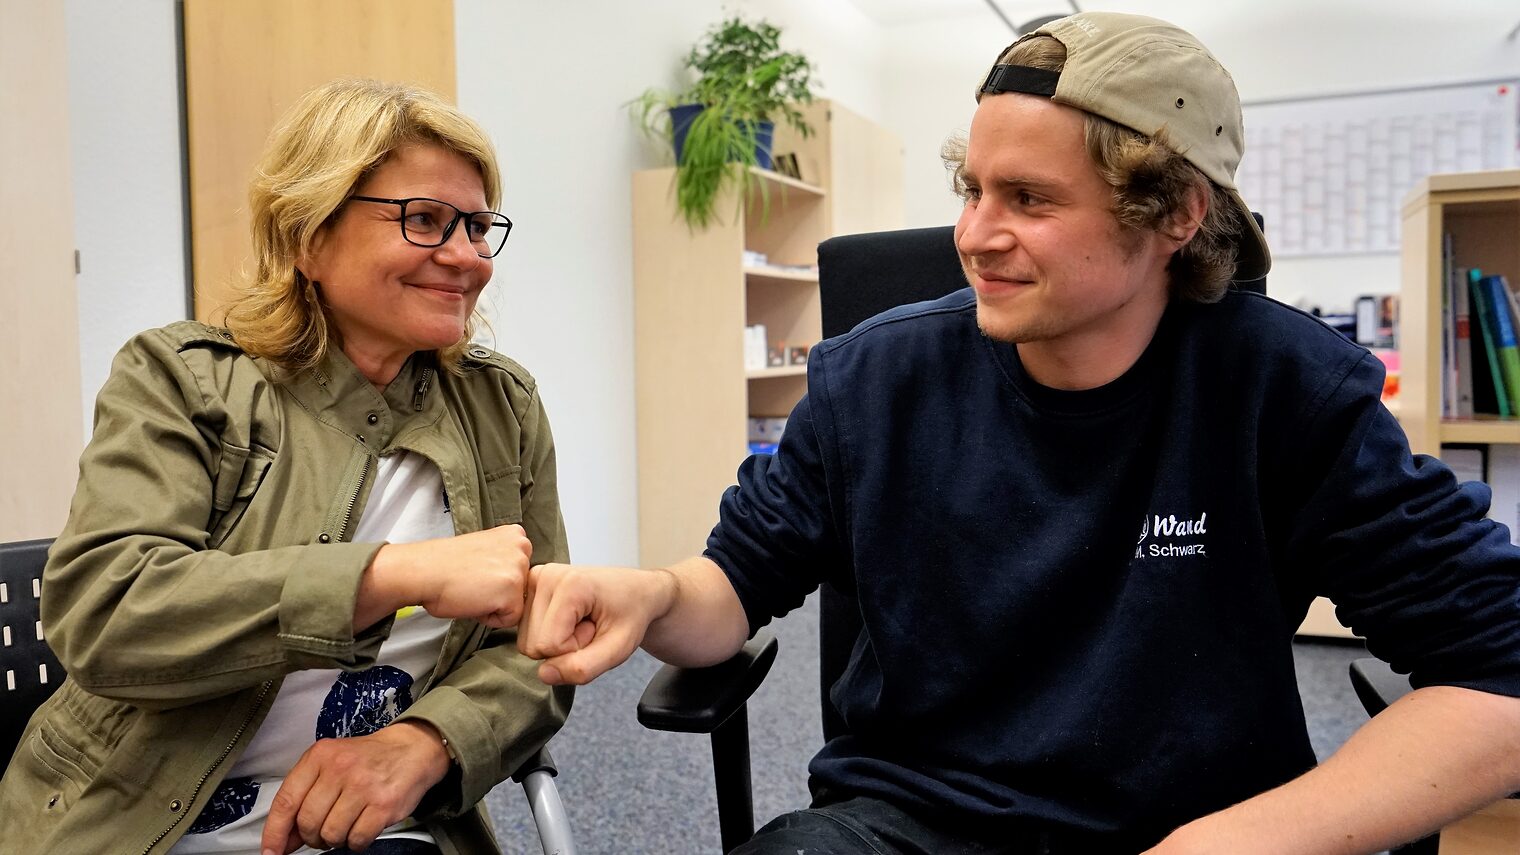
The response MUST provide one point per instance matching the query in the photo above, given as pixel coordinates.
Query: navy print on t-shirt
(362, 702)
(231, 801)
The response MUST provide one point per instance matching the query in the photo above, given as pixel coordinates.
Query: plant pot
(682, 116)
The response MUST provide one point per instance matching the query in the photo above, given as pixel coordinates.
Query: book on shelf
(1462, 344)
(1508, 293)
(1448, 330)
(1496, 289)
(1479, 378)
(1488, 327)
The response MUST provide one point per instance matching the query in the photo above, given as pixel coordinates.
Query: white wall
(128, 187)
(933, 72)
(1292, 48)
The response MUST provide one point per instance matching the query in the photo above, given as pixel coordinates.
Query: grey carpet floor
(628, 790)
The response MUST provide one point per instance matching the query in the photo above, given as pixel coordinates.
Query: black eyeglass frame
(448, 231)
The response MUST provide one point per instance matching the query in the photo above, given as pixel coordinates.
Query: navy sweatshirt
(1078, 606)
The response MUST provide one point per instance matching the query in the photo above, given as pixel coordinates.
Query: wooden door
(246, 61)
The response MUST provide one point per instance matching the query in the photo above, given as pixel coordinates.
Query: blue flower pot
(682, 116)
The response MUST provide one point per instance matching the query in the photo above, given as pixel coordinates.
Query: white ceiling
(1199, 15)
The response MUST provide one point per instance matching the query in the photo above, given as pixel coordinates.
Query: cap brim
(1253, 258)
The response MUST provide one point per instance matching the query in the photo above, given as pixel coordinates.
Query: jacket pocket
(503, 496)
(238, 477)
(46, 777)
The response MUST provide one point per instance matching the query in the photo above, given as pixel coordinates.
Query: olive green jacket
(206, 557)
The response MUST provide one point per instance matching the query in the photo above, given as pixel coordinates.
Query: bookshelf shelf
(774, 182)
(780, 371)
(1481, 430)
(761, 273)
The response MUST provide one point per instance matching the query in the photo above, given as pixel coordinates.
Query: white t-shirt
(406, 504)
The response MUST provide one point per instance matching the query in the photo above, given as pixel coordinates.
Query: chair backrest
(28, 667)
(860, 276)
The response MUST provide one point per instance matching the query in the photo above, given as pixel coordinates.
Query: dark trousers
(867, 826)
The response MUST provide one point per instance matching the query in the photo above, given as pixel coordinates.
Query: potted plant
(722, 124)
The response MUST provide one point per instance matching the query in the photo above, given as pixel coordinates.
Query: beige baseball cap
(1147, 74)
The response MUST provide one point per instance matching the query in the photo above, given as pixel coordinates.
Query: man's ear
(1188, 218)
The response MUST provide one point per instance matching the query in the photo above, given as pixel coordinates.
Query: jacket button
(174, 806)
(324, 537)
(479, 352)
(372, 419)
(53, 801)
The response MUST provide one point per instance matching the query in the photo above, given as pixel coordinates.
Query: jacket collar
(337, 393)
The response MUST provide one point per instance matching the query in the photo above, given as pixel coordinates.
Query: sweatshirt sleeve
(778, 534)
(1403, 550)
(136, 604)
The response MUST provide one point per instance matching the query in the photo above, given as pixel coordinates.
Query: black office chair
(32, 673)
(859, 276)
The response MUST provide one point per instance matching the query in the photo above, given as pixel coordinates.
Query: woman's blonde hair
(1151, 185)
(322, 149)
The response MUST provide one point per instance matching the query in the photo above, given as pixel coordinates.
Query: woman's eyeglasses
(430, 222)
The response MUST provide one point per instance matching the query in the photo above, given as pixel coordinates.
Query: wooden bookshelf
(1481, 212)
(694, 293)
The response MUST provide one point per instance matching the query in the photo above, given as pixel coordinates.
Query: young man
(1083, 506)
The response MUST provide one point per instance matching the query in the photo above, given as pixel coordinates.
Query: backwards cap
(1146, 74)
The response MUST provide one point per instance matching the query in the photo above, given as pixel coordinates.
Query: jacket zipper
(422, 387)
(353, 499)
(185, 810)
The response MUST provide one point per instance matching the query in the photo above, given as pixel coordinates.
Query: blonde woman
(286, 591)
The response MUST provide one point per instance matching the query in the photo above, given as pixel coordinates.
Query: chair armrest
(698, 700)
(539, 762)
(1377, 685)
(536, 776)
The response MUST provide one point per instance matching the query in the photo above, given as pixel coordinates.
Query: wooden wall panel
(246, 61)
(41, 426)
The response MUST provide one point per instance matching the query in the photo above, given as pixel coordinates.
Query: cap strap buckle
(1021, 78)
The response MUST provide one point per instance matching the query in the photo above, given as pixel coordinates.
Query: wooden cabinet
(1481, 212)
(694, 294)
